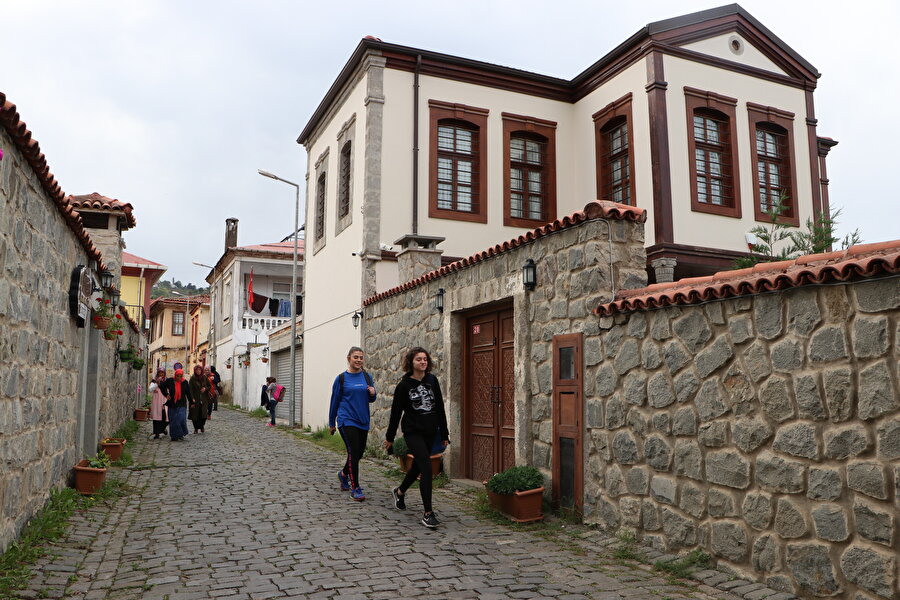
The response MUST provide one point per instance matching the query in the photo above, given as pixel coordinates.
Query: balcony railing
(136, 313)
(264, 323)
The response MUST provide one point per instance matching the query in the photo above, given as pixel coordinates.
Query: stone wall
(45, 356)
(574, 274)
(765, 429)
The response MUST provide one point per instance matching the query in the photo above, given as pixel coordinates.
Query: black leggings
(355, 441)
(420, 448)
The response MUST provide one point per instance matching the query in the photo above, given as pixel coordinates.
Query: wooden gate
(489, 394)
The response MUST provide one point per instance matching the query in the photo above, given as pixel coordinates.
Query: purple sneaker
(345, 481)
(357, 494)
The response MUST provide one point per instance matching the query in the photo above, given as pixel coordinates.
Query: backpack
(341, 380)
(278, 394)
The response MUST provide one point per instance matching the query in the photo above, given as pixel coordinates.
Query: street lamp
(293, 386)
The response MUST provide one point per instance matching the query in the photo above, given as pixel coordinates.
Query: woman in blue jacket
(351, 394)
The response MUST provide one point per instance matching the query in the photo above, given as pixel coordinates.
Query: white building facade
(704, 120)
(239, 336)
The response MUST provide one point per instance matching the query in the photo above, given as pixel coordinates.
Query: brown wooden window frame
(321, 185)
(767, 117)
(176, 322)
(722, 108)
(472, 118)
(544, 132)
(610, 115)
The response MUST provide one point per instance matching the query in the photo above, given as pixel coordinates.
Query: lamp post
(293, 295)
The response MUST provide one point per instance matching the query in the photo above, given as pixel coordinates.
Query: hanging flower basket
(137, 364)
(246, 363)
(126, 355)
(264, 359)
(109, 335)
(113, 448)
(227, 366)
(101, 322)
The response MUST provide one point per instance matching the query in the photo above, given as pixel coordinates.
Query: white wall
(719, 46)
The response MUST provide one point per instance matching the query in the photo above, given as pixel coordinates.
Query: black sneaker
(399, 499)
(430, 521)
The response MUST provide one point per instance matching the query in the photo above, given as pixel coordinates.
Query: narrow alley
(246, 512)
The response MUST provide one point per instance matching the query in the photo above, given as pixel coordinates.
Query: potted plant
(112, 447)
(102, 314)
(90, 473)
(137, 364)
(401, 451)
(264, 359)
(518, 493)
(127, 354)
(140, 414)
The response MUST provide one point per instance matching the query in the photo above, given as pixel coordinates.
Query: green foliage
(400, 448)
(777, 241)
(515, 479)
(99, 461)
(322, 437)
(165, 289)
(683, 567)
(626, 549)
(260, 413)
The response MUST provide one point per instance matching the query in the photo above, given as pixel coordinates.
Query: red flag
(250, 291)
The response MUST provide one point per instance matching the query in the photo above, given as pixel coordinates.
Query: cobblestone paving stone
(246, 512)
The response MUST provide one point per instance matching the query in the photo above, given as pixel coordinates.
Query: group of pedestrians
(417, 408)
(173, 400)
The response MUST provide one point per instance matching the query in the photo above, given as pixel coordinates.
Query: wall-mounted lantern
(114, 296)
(439, 300)
(529, 275)
(106, 279)
(355, 319)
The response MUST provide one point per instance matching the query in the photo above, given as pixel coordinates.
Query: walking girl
(199, 408)
(158, 404)
(418, 408)
(351, 394)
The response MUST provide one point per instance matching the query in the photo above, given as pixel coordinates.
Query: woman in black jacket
(419, 401)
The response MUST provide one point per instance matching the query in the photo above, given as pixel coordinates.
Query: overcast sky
(173, 106)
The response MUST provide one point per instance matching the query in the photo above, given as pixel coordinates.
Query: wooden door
(490, 394)
(568, 457)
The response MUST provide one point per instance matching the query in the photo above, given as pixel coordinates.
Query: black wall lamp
(114, 296)
(439, 300)
(355, 319)
(529, 275)
(106, 279)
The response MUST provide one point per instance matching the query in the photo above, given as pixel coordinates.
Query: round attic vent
(736, 45)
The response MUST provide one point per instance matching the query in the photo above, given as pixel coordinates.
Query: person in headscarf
(178, 394)
(199, 405)
(212, 391)
(218, 381)
(158, 404)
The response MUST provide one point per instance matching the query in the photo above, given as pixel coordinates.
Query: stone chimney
(418, 255)
(230, 233)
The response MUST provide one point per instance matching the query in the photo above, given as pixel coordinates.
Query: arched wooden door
(489, 394)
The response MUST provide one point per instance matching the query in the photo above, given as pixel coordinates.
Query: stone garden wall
(573, 259)
(44, 355)
(765, 429)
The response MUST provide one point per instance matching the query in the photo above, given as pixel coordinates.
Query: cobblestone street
(248, 512)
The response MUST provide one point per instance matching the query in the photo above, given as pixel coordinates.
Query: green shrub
(99, 461)
(400, 448)
(515, 479)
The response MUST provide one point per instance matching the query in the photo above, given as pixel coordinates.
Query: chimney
(419, 255)
(230, 233)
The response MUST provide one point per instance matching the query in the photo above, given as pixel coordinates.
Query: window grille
(772, 170)
(712, 159)
(527, 177)
(177, 323)
(457, 167)
(615, 162)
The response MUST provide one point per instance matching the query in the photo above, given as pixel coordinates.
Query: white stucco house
(239, 335)
(417, 157)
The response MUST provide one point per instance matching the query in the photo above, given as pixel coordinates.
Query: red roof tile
(131, 260)
(599, 209)
(31, 151)
(99, 202)
(277, 247)
(858, 262)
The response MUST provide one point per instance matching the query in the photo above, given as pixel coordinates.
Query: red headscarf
(179, 375)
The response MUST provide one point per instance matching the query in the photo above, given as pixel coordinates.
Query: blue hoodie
(353, 408)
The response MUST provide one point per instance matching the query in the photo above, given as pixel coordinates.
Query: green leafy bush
(515, 479)
(400, 448)
(99, 461)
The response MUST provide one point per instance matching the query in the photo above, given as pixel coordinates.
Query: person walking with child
(418, 407)
(352, 392)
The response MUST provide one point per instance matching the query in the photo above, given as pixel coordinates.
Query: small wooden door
(489, 394)
(568, 457)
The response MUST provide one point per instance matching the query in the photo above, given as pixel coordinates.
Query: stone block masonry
(781, 413)
(43, 352)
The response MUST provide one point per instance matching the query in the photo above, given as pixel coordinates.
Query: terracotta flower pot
(87, 479)
(521, 507)
(101, 322)
(140, 414)
(265, 360)
(110, 335)
(113, 448)
(406, 463)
